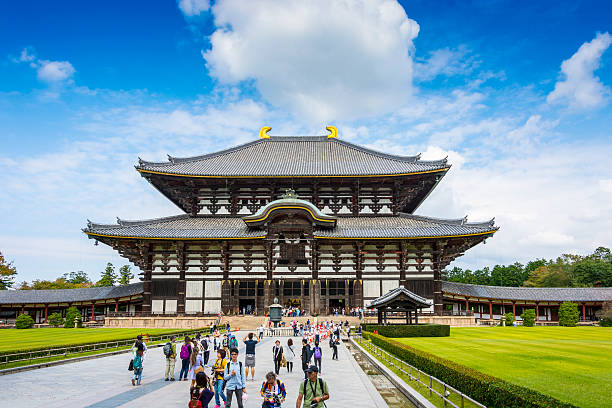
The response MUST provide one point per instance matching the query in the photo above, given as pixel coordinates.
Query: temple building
(316, 221)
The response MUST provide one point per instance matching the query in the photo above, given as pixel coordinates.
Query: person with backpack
(185, 357)
(317, 353)
(290, 355)
(225, 343)
(306, 356)
(334, 346)
(249, 359)
(170, 353)
(234, 377)
(233, 342)
(137, 367)
(207, 347)
(202, 391)
(313, 391)
(273, 392)
(139, 345)
(218, 372)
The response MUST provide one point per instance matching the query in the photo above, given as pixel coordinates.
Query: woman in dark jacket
(277, 354)
(305, 357)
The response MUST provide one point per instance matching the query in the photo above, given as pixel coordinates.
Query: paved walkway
(105, 382)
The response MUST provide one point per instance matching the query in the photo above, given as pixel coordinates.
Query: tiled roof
(187, 227)
(531, 294)
(294, 156)
(394, 293)
(69, 295)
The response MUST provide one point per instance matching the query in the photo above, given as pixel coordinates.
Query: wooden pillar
(380, 313)
(416, 316)
(583, 312)
(514, 309)
(93, 310)
(116, 305)
(467, 305)
(490, 310)
(537, 311)
(22, 309)
(46, 312)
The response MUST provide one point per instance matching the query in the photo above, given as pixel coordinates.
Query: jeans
(138, 375)
(277, 364)
(170, 362)
(219, 392)
(206, 357)
(335, 356)
(238, 393)
(318, 363)
(184, 368)
(289, 366)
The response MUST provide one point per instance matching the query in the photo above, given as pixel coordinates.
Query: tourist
(185, 356)
(227, 327)
(139, 345)
(212, 328)
(233, 342)
(317, 353)
(204, 388)
(290, 355)
(277, 354)
(225, 343)
(273, 391)
(217, 340)
(138, 367)
(170, 353)
(261, 331)
(313, 390)
(333, 343)
(234, 377)
(249, 359)
(197, 364)
(204, 347)
(306, 355)
(218, 370)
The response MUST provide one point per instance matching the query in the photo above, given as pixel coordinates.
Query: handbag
(131, 366)
(283, 361)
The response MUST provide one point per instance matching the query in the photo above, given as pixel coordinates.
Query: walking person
(185, 356)
(273, 391)
(261, 331)
(317, 353)
(197, 364)
(234, 377)
(249, 359)
(306, 355)
(277, 355)
(333, 342)
(137, 367)
(290, 355)
(170, 353)
(218, 371)
(313, 391)
(139, 345)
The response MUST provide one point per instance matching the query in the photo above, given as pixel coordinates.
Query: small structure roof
(528, 294)
(291, 202)
(186, 227)
(294, 156)
(399, 295)
(69, 295)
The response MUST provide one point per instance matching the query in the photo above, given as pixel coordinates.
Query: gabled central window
(292, 254)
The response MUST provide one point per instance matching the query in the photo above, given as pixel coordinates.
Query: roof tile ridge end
(363, 149)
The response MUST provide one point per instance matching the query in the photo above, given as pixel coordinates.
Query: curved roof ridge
(123, 223)
(452, 221)
(172, 159)
(410, 159)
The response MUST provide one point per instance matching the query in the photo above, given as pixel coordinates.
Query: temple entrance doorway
(293, 302)
(247, 306)
(336, 304)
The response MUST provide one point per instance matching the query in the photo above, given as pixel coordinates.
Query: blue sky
(517, 94)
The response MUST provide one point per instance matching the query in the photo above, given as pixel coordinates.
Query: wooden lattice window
(292, 254)
(164, 287)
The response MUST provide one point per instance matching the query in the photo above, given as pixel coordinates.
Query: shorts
(249, 360)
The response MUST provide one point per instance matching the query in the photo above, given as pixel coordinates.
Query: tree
(528, 317)
(509, 317)
(568, 314)
(56, 319)
(7, 273)
(125, 274)
(77, 278)
(108, 277)
(553, 275)
(73, 316)
(24, 321)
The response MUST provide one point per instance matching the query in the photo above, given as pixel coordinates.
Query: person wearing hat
(313, 391)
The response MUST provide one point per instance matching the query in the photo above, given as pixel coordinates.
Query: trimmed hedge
(486, 389)
(24, 321)
(406, 330)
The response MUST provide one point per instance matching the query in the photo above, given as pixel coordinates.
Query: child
(195, 399)
(137, 367)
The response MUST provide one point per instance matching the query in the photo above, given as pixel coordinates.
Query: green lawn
(22, 340)
(573, 364)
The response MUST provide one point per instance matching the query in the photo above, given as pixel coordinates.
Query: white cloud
(445, 62)
(325, 60)
(192, 8)
(55, 71)
(580, 88)
(26, 55)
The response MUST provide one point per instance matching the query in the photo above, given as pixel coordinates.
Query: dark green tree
(73, 317)
(24, 321)
(77, 278)
(125, 274)
(56, 319)
(7, 273)
(568, 314)
(108, 277)
(528, 317)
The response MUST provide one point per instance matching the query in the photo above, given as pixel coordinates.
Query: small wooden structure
(399, 299)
